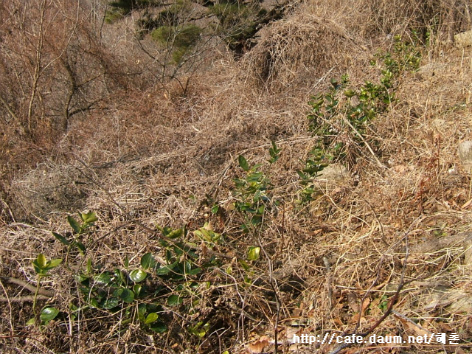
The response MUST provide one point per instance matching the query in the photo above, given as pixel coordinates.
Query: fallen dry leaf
(412, 326)
(259, 345)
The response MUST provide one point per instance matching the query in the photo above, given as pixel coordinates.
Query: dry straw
(365, 244)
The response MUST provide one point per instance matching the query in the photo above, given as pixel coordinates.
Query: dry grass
(156, 154)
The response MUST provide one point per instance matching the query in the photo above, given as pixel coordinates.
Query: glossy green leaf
(110, 303)
(151, 318)
(73, 308)
(125, 294)
(203, 234)
(349, 93)
(148, 261)
(61, 238)
(137, 289)
(199, 332)
(175, 233)
(253, 253)
(48, 314)
(89, 266)
(215, 208)
(274, 152)
(174, 300)
(103, 278)
(256, 220)
(142, 308)
(119, 276)
(163, 270)
(159, 327)
(41, 261)
(178, 250)
(82, 277)
(137, 275)
(53, 263)
(194, 271)
(199, 329)
(37, 269)
(81, 247)
(74, 224)
(169, 256)
(89, 217)
(244, 264)
(243, 163)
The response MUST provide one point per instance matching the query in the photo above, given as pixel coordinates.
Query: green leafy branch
(42, 266)
(87, 220)
(251, 193)
(340, 117)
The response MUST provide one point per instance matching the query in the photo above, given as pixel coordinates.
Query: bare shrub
(303, 46)
(53, 68)
(444, 17)
(318, 37)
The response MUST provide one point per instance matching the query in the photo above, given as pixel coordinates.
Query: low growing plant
(340, 117)
(180, 279)
(252, 191)
(153, 290)
(87, 220)
(42, 266)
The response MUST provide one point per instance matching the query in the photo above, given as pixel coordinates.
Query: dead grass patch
(165, 157)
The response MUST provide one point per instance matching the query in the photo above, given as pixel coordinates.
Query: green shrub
(121, 8)
(237, 22)
(162, 34)
(146, 292)
(171, 16)
(252, 192)
(178, 38)
(230, 14)
(127, 5)
(339, 118)
(112, 16)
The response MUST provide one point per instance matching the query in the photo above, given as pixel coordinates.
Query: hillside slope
(309, 185)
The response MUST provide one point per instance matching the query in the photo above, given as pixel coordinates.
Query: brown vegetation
(92, 118)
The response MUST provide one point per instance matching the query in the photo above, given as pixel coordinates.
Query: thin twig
(380, 164)
(274, 286)
(7, 298)
(27, 286)
(411, 322)
(26, 298)
(91, 179)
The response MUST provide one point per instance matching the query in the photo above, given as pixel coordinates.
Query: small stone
(465, 155)
(333, 176)
(463, 39)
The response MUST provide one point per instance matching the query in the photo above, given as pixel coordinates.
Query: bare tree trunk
(70, 94)
(37, 68)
